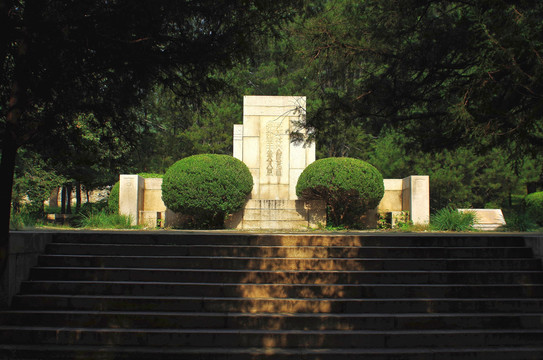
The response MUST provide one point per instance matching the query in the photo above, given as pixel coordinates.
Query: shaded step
(187, 238)
(271, 338)
(292, 321)
(289, 251)
(138, 353)
(272, 305)
(293, 276)
(282, 290)
(288, 264)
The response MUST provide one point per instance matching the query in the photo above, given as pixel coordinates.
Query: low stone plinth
(487, 219)
(279, 215)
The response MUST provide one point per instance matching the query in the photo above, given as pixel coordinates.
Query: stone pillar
(264, 144)
(131, 189)
(416, 198)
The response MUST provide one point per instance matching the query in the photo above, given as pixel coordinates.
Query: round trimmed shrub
(534, 206)
(349, 186)
(207, 187)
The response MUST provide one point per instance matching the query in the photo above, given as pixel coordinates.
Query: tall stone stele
(265, 145)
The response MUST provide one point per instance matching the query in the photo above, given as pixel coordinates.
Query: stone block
(487, 219)
(131, 190)
(298, 156)
(391, 201)
(416, 198)
(237, 142)
(266, 110)
(274, 224)
(274, 191)
(270, 204)
(294, 175)
(152, 195)
(275, 214)
(310, 151)
(151, 219)
(251, 152)
(316, 210)
(251, 125)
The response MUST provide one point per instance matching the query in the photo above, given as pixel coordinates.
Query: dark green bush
(518, 220)
(349, 186)
(534, 206)
(207, 187)
(113, 199)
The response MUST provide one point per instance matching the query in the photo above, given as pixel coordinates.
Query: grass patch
(102, 220)
(449, 219)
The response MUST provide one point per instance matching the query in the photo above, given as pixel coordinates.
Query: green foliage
(450, 219)
(23, 220)
(463, 178)
(208, 187)
(519, 220)
(113, 199)
(534, 206)
(34, 180)
(349, 186)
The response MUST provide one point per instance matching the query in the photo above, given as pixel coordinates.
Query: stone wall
(23, 251)
(142, 200)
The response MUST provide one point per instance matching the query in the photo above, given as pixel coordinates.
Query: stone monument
(264, 144)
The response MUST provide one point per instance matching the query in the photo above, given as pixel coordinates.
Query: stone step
(200, 262)
(291, 321)
(282, 290)
(105, 302)
(210, 238)
(289, 251)
(270, 353)
(292, 276)
(272, 338)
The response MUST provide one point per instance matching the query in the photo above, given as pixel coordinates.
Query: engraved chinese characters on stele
(274, 154)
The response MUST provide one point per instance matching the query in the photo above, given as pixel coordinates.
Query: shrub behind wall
(534, 206)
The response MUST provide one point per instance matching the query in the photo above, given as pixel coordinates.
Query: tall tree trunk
(77, 196)
(14, 137)
(7, 169)
(69, 189)
(53, 198)
(63, 200)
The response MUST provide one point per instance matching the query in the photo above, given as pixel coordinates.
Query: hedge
(349, 186)
(207, 187)
(534, 206)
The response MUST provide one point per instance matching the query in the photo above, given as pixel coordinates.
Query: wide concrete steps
(270, 321)
(207, 296)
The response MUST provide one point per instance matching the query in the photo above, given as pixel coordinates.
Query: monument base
(279, 215)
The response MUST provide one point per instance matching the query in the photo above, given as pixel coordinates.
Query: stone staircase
(168, 295)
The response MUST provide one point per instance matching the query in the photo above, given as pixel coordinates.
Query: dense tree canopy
(452, 89)
(63, 59)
